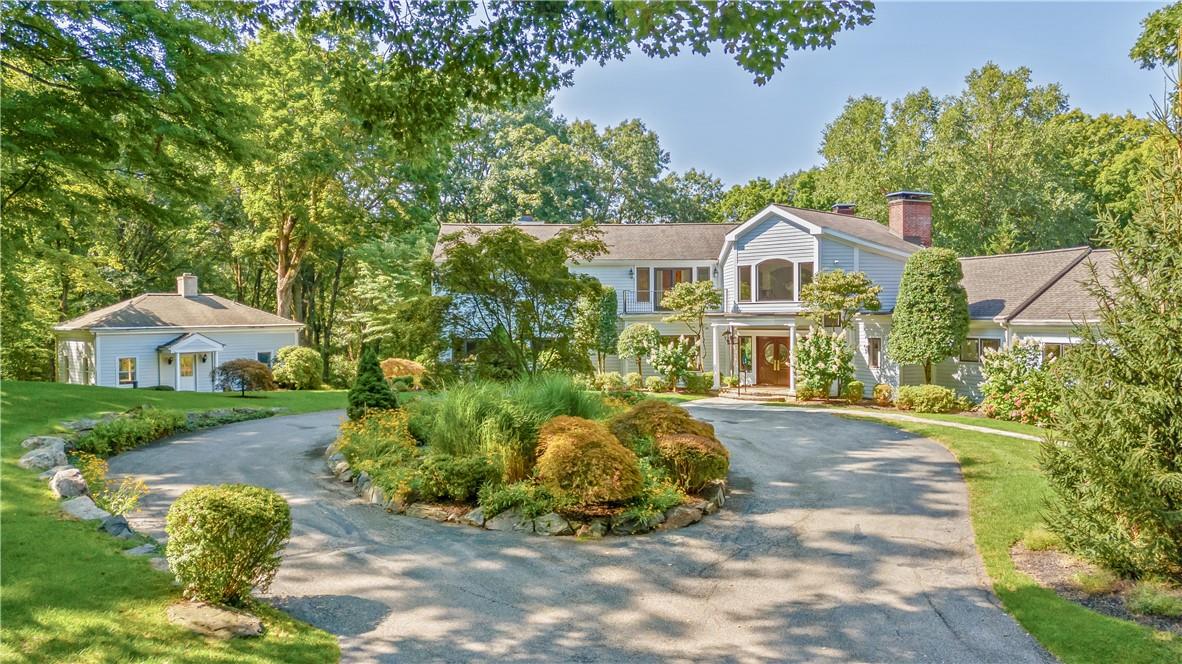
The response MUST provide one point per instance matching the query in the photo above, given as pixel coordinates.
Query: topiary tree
(298, 368)
(638, 340)
(931, 316)
(370, 391)
(690, 301)
(243, 375)
(822, 359)
(224, 541)
(1113, 456)
(839, 294)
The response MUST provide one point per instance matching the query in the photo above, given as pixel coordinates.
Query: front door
(771, 357)
(188, 373)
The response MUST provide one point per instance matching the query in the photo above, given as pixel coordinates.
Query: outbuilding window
(127, 371)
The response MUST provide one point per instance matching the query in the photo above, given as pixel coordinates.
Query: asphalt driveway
(843, 541)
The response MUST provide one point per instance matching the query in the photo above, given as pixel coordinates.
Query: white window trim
(755, 278)
(270, 353)
(135, 370)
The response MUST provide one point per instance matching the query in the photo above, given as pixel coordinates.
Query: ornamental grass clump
(693, 461)
(651, 418)
(224, 541)
(586, 465)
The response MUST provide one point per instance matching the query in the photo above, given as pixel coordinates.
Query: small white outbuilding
(174, 339)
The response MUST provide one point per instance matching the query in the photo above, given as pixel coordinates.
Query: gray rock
(81, 426)
(396, 505)
(83, 508)
(634, 525)
(45, 457)
(552, 524)
(474, 518)
(343, 472)
(214, 621)
(510, 520)
(33, 442)
(681, 516)
(425, 511)
(360, 484)
(594, 529)
(68, 483)
(160, 564)
(117, 526)
(48, 475)
(141, 550)
(715, 493)
(334, 459)
(374, 495)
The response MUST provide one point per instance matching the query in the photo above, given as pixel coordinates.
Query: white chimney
(186, 285)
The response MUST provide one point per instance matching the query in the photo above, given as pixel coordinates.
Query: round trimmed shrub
(883, 394)
(224, 541)
(928, 399)
(694, 461)
(298, 368)
(583, 463)
(651, 418)
(853, 390)
(656, 384)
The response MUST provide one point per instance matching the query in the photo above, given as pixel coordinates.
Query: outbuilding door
(187, 375)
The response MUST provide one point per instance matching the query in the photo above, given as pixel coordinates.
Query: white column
(176, 372)
(213, 358)
(714, 360)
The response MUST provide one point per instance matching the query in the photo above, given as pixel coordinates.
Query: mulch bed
(1054, 570)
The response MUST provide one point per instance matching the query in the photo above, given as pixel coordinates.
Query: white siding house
(167, 339)
(761, 265)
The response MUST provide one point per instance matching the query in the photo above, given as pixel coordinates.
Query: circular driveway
(842, 541)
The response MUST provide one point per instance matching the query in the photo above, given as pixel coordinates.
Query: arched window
(774, 280)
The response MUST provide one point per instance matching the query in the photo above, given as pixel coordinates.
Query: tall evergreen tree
(370, 390)
(1114, 453)
(931, 315)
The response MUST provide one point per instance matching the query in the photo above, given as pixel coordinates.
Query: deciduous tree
(931, 316)
(839, 294)
(690, 301)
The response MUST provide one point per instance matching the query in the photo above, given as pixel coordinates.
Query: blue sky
(710, 115)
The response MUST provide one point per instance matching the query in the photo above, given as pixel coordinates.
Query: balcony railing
(645, 302)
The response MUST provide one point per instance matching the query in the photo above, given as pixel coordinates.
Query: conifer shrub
(927, 399)
(651, 418)
(298, 368)
(225, 541)
(693, 460)
(370, 391)
(586, 465)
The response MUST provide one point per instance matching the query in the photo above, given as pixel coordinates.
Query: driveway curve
(842, 541)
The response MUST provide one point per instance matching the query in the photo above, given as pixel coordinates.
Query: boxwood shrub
(224, 541)
(927, 399)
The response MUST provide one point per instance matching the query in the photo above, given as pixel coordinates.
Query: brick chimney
(186, 285)
(910, 216)
(844, 208)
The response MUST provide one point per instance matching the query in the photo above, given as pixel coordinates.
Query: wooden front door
(187, 374)
(771, 358)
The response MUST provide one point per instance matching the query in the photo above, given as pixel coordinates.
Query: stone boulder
(552, 524)
(117, 526)
(84, 508)
(511, 519)
(629, 525)
(715, 492)
(48, 475)
(426, 511)
(45, 457)
(474, 518)
(593, 529)
(68, 483)
(215, 621)
(681, 516)
(141, 550)
(33, 442)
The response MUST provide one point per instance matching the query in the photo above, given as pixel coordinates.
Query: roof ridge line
(1029, 253)
(1047, 286)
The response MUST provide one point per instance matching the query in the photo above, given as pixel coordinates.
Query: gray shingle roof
(166, 310)
(859, 227)
(1068, 299)
(998, 286)
(630, 241)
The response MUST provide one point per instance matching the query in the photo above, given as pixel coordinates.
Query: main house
(760, 266)
(167, 339)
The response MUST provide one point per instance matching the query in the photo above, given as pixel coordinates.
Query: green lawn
(676, 397)
(68, 594)
(1007, 493)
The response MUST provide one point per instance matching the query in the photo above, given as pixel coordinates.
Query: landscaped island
(538, 455)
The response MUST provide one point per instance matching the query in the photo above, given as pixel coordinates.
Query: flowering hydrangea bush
(1018, 385)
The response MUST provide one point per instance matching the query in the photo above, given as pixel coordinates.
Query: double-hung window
(874, 352)
(975, 347)
(263, 356)
(127, 371)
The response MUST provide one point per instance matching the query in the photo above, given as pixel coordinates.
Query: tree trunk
(927, 373)
(332, 310)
